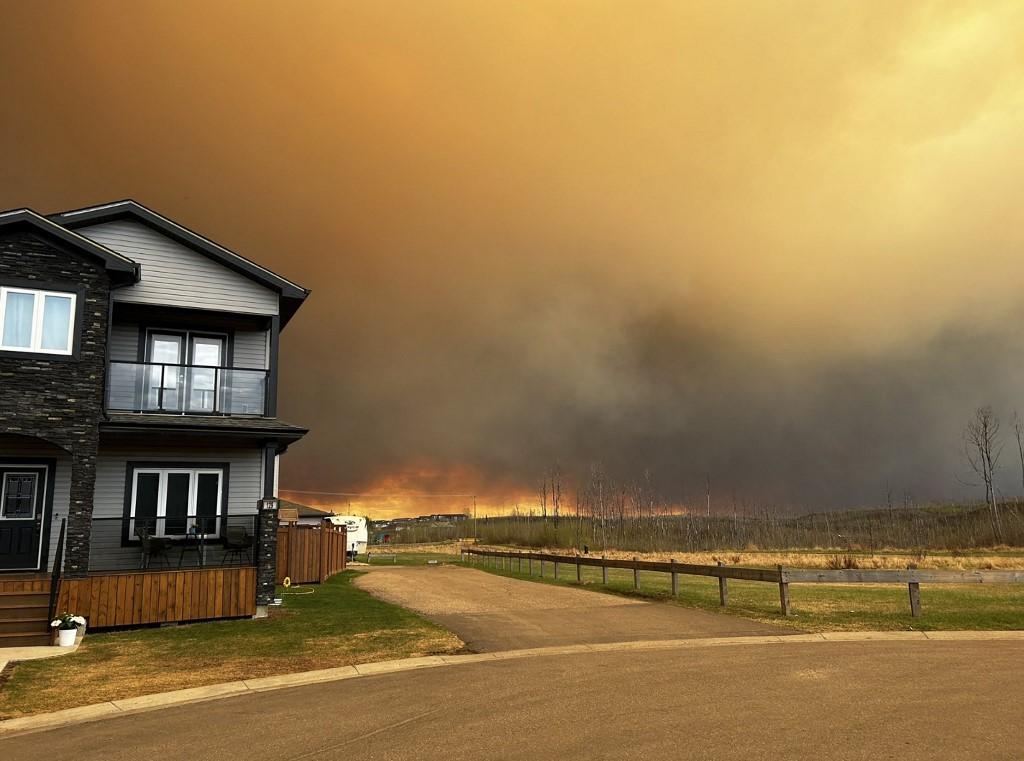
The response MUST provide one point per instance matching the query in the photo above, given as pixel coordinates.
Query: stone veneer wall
(266, 553)
(55, 398)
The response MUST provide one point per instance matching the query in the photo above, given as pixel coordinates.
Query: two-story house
(139, 437)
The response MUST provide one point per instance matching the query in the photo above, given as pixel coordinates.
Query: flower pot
(66, 637)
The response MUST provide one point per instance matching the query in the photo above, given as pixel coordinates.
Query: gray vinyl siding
(174, 275)
(61, 485)
(244, 490)
(124, 342)
(250, 349)
(61, 504)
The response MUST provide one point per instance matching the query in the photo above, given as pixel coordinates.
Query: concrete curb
(157, 701)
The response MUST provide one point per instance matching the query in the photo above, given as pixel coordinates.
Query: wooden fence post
(579, 572)
(604, 573)
(529, 565)
(556, 569)
(282, 553)
(542, 568)
(723, 588)
(783, 591)
(636, 574)
(675, 579)
(325, 549)
(914, 588)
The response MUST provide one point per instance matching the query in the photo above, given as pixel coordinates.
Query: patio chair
(152, 547)
(193, 542)
(237, 543)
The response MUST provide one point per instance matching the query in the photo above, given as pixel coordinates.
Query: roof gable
(292, 295)
(121, 268)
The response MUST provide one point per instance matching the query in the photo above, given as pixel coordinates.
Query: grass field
(818, 607)
(319, 626)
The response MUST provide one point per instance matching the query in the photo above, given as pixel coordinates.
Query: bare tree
(982, 447)
(1018, 432)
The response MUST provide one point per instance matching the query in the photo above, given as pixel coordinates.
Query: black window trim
(76, 289)
(129, 479)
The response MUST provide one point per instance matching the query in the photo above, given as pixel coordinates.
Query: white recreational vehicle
(356, 529)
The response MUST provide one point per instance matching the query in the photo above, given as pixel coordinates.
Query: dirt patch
(490, 612)
(447, 590)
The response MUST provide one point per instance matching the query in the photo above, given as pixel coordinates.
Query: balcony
(186, 389)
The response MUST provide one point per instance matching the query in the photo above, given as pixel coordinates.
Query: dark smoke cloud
(776, 245)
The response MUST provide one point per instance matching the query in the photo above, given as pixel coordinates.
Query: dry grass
(889, 559)
(432, 548)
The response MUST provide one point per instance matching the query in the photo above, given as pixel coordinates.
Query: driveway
(789, 700)
(492, 613)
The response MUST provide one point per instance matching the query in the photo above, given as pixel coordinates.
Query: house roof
(121, 268)
(270, 428)
(306, 511)
(292, 294)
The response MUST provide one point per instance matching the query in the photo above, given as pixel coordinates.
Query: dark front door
(22, 512)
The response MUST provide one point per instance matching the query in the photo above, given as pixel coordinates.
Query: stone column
(266, 555)
(83, 486)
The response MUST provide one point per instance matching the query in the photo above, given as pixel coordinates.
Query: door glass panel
(177, 503)
(207, 351)
(164, 381)
(56, 323)
(147, 496)
(19, 496)
(207, 502)
(18, 312)
(206, 354)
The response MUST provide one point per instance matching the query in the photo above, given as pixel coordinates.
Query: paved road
(492, 613)
(793, 701)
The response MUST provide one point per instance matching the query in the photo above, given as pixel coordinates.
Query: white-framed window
(18, 496)
(175, 502)
(37, 321)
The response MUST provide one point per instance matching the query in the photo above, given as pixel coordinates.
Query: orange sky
(774, 242)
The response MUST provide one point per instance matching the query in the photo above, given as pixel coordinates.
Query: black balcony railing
(186, 389)
(168, 543)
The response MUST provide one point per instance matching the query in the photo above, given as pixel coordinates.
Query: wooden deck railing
(783, 577)
(132, 598)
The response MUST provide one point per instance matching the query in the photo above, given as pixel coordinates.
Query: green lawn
(817, 607)
(318, 626)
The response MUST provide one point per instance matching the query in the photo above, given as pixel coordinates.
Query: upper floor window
(36, 321)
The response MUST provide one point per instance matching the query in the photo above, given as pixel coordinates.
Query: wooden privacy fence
(310, 554)
(783, 577)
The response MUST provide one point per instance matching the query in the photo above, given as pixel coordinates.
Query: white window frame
(3, 495)
(161, 499)
(38, 308)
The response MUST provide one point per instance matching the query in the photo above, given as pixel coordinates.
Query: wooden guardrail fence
(783, 577)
